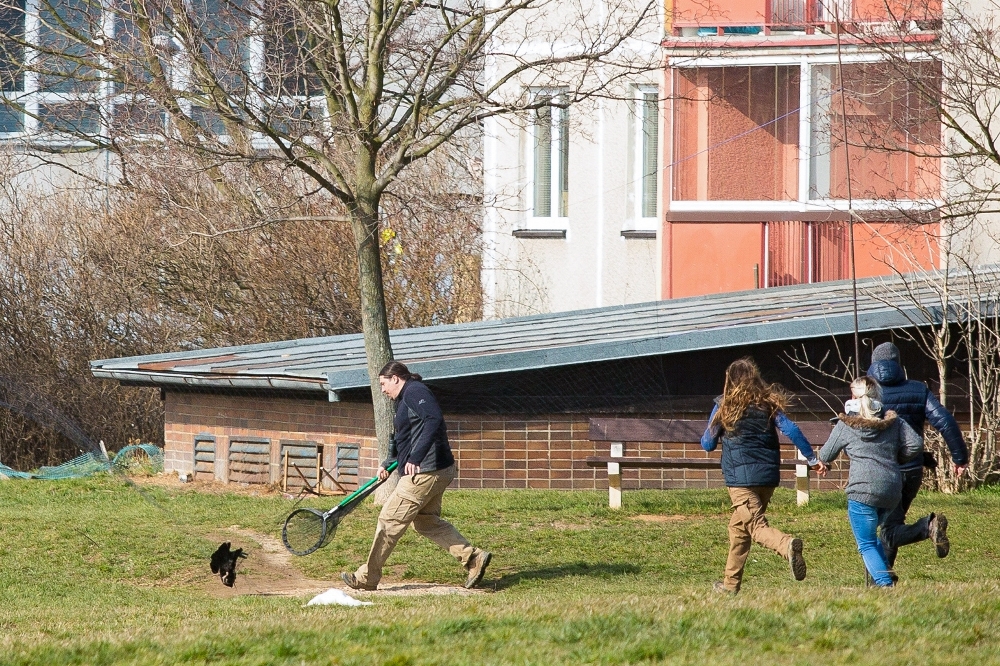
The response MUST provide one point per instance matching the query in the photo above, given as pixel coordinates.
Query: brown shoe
(720, 587)
(477, 567)
(351, 581)
(795, 559)
(938, 532)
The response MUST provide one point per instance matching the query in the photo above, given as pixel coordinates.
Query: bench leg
(615, 477)
(801, 482)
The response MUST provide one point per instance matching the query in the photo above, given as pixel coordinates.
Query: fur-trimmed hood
(861, 423)
(876, 447)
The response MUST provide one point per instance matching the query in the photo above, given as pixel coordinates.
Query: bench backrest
(679, 430)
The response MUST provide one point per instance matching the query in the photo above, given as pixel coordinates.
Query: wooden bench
(619, 431)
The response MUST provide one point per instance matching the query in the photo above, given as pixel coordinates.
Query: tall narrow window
(650, 139)
(550, 159)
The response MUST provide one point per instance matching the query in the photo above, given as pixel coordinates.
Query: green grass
(95, 572)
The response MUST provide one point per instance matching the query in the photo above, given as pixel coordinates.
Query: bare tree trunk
(374, 323)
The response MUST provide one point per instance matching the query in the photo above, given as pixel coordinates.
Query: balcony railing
(763, 16)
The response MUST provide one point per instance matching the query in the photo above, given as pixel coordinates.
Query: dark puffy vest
(750, 452)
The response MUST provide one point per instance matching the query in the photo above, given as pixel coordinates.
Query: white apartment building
(573, 194)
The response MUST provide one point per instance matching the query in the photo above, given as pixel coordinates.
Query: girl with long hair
(745, 420)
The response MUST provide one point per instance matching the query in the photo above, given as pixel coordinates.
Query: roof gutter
(202, 381)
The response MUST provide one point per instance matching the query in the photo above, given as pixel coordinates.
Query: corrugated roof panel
(555, 339)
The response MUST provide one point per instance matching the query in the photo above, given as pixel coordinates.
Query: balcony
(753, 17)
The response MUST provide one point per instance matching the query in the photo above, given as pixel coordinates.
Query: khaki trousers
(417, 500)
(748, 524)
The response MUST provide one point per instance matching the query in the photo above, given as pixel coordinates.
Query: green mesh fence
(133, 455)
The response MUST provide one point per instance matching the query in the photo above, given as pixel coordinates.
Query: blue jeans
(864, 521)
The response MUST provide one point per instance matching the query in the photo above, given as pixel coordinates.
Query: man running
(915, 404)
(426, 468)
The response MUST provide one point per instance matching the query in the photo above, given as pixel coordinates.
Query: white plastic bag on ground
(335, 597)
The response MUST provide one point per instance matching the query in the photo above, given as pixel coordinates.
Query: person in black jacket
(915, 404)
(426, 467)
(746, 419)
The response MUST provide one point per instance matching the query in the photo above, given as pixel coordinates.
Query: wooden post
(284, 478)
(801, 480)
(319, 470)
(615, 476)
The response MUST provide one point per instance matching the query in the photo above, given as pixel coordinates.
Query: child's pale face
(857, 391)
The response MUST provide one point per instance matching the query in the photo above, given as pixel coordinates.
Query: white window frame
(32, 98)
(636, 220)
(558, 218)
(106, 98)
(803, 202)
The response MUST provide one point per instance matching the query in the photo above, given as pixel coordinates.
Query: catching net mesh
(306, 530)
(134, 455)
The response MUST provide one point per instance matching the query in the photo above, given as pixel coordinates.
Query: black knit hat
(885, 352)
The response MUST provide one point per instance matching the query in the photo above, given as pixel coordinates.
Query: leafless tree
(132, 270)
(944, 75)
(347, 94)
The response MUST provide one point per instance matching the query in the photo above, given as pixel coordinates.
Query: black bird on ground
(224, 563)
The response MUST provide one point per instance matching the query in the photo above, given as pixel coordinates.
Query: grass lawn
(95, 572)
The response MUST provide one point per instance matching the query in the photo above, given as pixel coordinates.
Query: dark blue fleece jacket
(421, 436)
(916, 404)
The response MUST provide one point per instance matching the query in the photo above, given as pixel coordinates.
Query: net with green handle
(307, 530)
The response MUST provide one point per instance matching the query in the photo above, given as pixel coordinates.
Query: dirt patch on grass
(410, 590)
(659, 518)
(269, 570)
(209, 487)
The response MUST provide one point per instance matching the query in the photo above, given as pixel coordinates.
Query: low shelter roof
(337, 363)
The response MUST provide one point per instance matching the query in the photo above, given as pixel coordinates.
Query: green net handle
(368, 486)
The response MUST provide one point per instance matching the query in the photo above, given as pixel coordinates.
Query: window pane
(542, 176)
(78, 119)
(65, 66)
(801, 252)
(831, 251)
(892, 133)
(287, 66)
(10, 120)
(139, 117)
(224, 30)
(208, 120)
(787, 253)
(130, 54)
(650, 141)
(736, 133)
(11, 51)
(295, 120)
(563, 162)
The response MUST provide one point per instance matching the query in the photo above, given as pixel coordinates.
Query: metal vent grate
(204, 458)
(250, 461)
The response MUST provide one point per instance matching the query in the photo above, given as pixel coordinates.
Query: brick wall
(229, 418)
(492, 451)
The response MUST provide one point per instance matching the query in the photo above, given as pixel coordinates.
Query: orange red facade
(768, 14)
(773, 167)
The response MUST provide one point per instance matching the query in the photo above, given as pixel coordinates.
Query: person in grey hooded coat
(876, 444)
